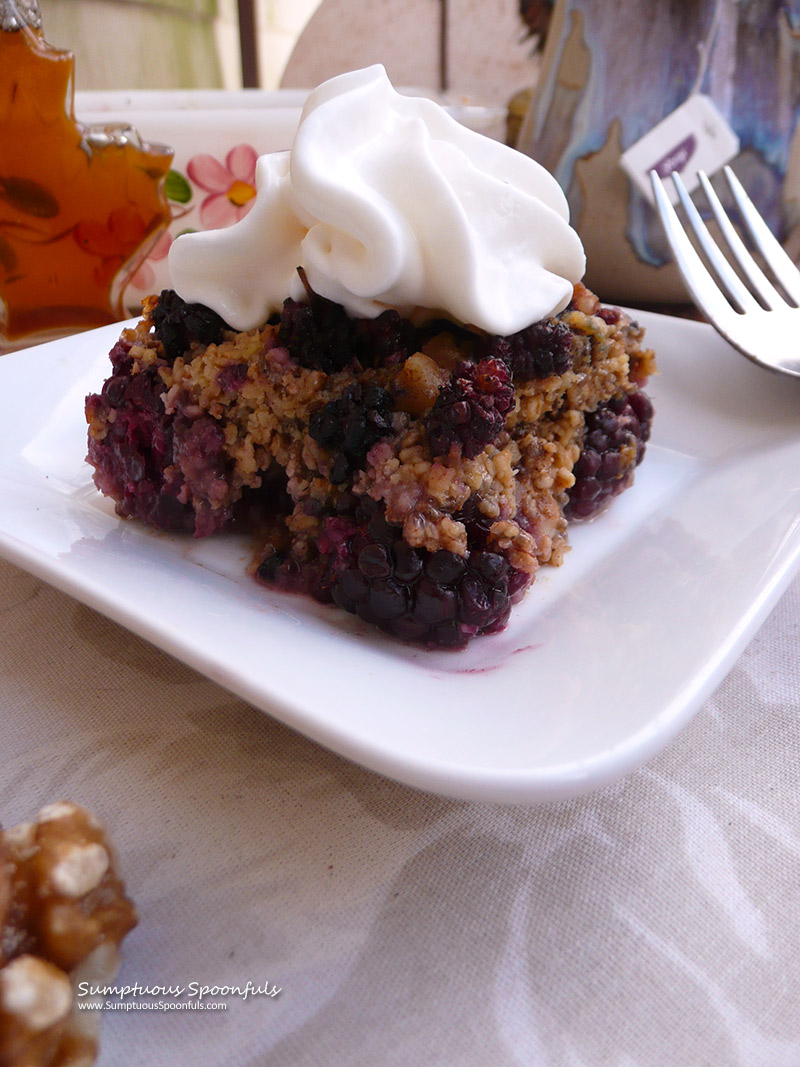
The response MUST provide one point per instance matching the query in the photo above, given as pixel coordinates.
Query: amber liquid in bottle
(79, 208)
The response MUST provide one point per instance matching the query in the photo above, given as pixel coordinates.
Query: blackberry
(291, 565)
(134, 460)
(320, 335)
(436, 599)
(614, 444)
(387, 338)
(291, 575)
(470, 411)
(167, 470)
(350, 425)
(537, 352)
(177, 324)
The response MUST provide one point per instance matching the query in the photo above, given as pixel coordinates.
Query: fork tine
(730, 280)
(702, 286)
(755, 276)
(785, 270)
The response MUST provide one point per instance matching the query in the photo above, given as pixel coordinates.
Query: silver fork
(767, 329)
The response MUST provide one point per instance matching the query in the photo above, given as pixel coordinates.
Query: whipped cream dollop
(386, 201)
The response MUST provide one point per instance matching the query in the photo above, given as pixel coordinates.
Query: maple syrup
(80, 207)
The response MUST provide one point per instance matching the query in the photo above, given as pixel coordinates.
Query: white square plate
(604, 661)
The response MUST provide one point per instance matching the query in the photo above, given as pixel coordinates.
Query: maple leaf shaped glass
(80, 207)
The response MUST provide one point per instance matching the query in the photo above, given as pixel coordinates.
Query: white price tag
(695, 136)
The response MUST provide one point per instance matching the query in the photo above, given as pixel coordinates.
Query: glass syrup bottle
(80, 207)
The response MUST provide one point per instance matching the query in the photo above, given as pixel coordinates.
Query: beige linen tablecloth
(654, 923)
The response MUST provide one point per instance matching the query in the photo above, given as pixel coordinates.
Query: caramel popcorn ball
(63, 915)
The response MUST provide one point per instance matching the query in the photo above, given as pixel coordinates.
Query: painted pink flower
(232, 186)
(145, 276)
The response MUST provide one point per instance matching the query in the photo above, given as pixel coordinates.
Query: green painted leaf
(177, 188)
(190, 230)
(27, 196)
